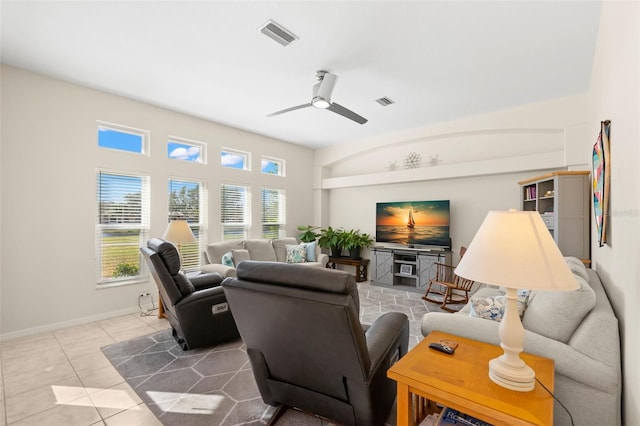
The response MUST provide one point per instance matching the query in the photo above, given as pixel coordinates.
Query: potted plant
(308, 234)
(330, 239)
(354, 242)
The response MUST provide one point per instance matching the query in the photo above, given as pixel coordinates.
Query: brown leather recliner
(306, 345)
(196, 308)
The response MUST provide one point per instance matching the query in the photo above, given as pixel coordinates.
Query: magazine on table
(450, 417)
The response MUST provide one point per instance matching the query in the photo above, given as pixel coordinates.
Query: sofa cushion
(239, 256)
(577, 267)
(216, 251)
(261, 250)
(296, 253)
(279, 247)
(556, 314)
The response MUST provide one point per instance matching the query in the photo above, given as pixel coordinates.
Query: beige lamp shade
(515, 249)
(179, 232)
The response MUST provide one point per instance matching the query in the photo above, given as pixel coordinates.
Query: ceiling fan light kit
(321, 99)
(319, 102)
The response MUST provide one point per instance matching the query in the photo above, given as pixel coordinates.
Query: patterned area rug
(215, 386)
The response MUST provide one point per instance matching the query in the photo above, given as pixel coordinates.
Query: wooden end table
(360, 265)
(461, 381)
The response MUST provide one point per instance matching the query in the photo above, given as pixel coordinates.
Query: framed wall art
(406, 269)
(601, 181)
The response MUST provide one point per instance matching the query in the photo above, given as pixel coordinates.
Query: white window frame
(244, 154)
(142, 227)
(279, 161)
(280, 215)
(145, 134)
(235, 229)
(192, 252)
(202, 146)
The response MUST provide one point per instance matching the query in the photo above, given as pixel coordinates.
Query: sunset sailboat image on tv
(413, 223)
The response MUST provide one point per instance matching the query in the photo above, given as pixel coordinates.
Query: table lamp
(179, 232)
(515, 249)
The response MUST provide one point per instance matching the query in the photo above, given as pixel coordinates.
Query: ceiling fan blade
(289, 109)
(339, 109)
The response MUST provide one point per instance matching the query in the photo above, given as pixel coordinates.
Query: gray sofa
(253, 249)
(577, 329)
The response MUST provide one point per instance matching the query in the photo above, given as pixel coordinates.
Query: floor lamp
(515, 249)
(179, 232)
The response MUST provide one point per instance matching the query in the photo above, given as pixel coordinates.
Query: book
(451, 417)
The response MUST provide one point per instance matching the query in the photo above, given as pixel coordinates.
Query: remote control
(442, 348)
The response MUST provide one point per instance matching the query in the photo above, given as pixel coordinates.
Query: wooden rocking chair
(448, 288)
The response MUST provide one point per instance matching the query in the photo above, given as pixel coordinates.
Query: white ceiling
(438, 60)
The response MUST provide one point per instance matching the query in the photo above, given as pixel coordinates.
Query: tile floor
(63, 378)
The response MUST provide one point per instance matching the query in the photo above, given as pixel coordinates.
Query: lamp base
(521, 379)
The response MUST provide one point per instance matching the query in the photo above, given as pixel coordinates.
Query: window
(182, 149)
(188, 201)
(122, 226)
(235, 159)
(272, 166)
(234, 211)
(122, 138)
(273, 213)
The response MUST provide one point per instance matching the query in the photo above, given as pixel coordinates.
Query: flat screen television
(413, 223)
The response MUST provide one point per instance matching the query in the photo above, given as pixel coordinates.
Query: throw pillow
(296, 254)
(493, 307)
(311, 251)
(557, 314)
(239, 256)
(577, 267)
(227, 259)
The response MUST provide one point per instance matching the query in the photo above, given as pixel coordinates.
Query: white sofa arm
(224, 270)
(568, 361)
(322, 259)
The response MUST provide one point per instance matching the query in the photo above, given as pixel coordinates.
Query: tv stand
(406, 268)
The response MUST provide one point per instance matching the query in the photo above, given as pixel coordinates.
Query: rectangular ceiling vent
(385, 101)
(278, 33)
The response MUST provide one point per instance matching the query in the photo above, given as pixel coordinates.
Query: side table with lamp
(514, 250)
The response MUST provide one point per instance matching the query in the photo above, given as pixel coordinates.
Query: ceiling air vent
(385, 101)
(278, 33)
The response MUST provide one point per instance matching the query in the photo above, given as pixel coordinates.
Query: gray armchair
(306, 345)
(196, 308)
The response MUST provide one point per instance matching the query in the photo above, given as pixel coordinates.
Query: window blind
(122, 225)
(234, 211)
(273, 213)
(188, 201)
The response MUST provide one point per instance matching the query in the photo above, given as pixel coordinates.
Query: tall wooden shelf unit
(563, 200)
(405, 268)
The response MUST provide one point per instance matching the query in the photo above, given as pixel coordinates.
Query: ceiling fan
(321, 99)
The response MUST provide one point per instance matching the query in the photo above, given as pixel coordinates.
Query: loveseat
(223, 257)
(577, 329)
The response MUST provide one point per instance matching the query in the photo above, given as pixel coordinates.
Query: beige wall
(49, 159)
(482, 159)
(615, 95)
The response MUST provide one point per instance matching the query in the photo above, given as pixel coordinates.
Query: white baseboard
(64, 324)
